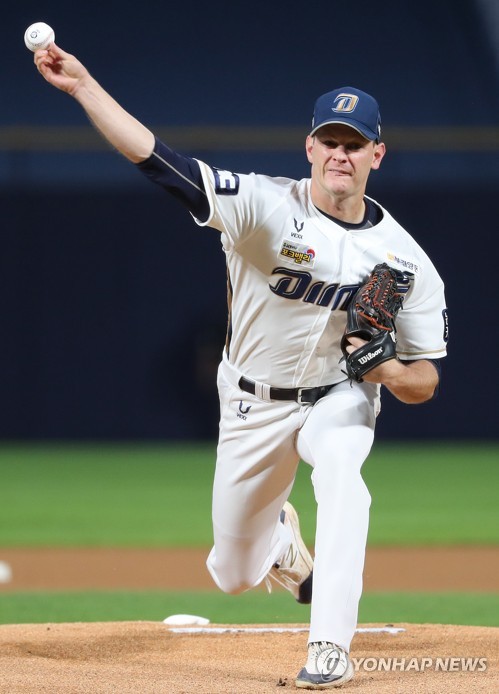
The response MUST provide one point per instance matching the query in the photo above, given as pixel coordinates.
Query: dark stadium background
(113, 301)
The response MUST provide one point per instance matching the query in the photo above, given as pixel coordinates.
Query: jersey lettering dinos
(292, 272)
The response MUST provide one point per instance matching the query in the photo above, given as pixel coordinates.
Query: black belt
(303, 396)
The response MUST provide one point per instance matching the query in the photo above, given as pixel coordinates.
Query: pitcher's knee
(234, 586)
(231, 582)
(229, 578)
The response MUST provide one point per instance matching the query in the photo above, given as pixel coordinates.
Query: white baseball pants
(259, 448)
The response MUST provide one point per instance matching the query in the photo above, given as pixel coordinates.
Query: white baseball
(38, 36)
(5, 572)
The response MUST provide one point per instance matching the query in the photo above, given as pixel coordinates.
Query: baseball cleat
(295, 569)
(327, 666)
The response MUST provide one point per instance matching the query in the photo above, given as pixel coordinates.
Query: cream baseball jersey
(292, 271)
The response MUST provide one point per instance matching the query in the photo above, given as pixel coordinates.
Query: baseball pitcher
(330, 299)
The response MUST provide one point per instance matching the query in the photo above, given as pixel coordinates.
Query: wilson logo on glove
(371, 355)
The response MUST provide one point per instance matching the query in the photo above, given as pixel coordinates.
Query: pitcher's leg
(341, 536)
(256, 467)
(248, 535)
(336, 440)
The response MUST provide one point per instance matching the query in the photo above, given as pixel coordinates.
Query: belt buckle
(299, 397)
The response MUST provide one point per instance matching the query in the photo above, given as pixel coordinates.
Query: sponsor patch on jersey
(407, 264)
(297, 253)
(226, 183)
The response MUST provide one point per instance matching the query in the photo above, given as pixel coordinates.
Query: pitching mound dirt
(149, 658)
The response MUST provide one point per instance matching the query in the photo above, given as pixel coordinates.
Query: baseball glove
(371, 316)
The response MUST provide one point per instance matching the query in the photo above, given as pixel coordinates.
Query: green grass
(430, 494)
(479, 609)
(253, 607)
(106, 495)
(160, 495)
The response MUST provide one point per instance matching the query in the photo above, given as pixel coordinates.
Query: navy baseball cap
(351, 107)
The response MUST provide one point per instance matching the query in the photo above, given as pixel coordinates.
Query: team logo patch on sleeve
(297, 253)
(226, 183)
(445, 315)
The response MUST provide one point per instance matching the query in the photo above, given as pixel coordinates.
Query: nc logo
(345, 103)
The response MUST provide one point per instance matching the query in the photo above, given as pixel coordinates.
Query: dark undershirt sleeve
(180, 176)
(438, 367)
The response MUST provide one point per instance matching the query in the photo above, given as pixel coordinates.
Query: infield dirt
(149, 658)
(387, 568)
